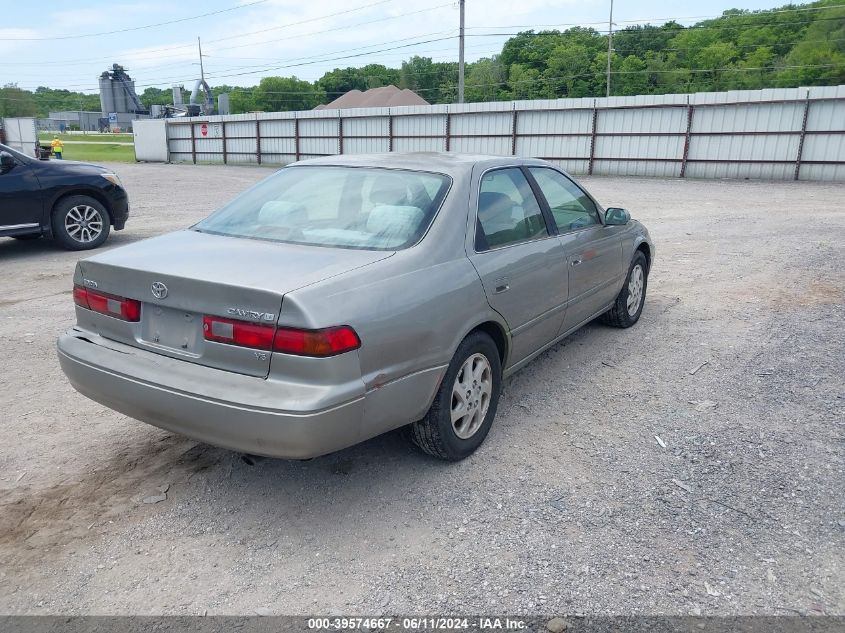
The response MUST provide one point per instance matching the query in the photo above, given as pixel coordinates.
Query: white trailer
(21, 134)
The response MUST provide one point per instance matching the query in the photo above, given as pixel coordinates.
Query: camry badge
(159, 290)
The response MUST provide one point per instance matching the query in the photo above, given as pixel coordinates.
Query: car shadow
(120, 473)
(19, 250)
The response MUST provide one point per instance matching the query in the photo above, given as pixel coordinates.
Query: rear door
(20, 198)
(520, 262)
(593, 251)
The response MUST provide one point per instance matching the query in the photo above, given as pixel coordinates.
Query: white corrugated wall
(735, 134)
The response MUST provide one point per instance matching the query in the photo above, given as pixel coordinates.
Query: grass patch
(91, 137)
(98, 152)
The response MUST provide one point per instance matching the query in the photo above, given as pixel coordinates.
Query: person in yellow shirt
(57, 146)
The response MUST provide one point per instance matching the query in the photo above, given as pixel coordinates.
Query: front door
(20, 198)
(593, 251)
(521, 264)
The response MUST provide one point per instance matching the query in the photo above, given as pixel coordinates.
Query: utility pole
(609, 45)
(461, 57)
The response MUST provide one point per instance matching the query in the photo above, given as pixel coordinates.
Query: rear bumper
(234, 411)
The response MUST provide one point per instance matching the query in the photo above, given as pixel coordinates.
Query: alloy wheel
(84, 223)
(635, 290)
(471, 394)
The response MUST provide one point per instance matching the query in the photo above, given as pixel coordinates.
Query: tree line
(792, 45)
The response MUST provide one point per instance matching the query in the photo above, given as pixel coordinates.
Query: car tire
(472, 381)
(629, 303)
(80, 223)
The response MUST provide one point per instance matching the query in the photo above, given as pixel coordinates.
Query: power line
(596, 74)
(322, 58)
(511, 26)
(565, 77)
(186, 46)
(639, 21)
(136, 28)
(315, 59)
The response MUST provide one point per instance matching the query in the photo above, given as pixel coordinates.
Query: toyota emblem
(159, 290)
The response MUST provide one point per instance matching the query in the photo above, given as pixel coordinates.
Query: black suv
(75, 204)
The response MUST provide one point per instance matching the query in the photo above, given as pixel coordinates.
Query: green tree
(525, 83)
(484, 80)
(156, 96)
(279, 94)
(16, 102)
(341, 80)
(433, 81)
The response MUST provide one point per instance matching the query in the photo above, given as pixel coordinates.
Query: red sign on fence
(204, 129)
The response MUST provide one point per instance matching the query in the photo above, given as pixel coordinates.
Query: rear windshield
(348, 207)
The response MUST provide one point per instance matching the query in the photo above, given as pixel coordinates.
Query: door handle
(502, 285)
(575, 262)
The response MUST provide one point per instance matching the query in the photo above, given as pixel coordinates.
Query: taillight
(108, 304)
(326, 342)
(235, 332)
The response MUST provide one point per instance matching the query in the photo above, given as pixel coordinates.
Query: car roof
(443, 162)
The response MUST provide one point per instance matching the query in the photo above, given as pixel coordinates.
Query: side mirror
(7, 161)
(616, 216)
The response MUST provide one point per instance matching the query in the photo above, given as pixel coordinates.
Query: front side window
(508, 212)
(348, 207)
(571, 207)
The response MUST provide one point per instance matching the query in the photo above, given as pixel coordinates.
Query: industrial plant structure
(119, 102)
(120, 106)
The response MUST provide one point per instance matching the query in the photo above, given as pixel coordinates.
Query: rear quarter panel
(411, 312)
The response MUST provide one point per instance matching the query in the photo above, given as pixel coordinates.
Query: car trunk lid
(180, 278)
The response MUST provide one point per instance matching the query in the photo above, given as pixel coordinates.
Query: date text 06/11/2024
(416, 623)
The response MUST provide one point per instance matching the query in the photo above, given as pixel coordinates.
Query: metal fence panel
(497, 146)
(757, 171)
(639, 147)
(661, 120)
(419, 145)
(658, 169)
(355, 145)
(749, 118)
(481, 123)
(554, 147)
(365, 126)
(775, 133)
(545, 122)
(420, 125)
(760, 148)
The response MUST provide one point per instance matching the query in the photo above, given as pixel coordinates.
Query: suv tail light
(108, 304)
(320, 343)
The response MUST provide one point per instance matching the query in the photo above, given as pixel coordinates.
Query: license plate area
(168, 328)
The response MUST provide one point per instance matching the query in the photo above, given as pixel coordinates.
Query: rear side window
(571, 207)
(508, 212)
(348, 207)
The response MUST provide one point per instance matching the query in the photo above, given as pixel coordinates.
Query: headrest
(492, 204)
(396, 224)
(389, 189)
(278, 211)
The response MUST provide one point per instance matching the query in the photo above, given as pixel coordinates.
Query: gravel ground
(571, 505)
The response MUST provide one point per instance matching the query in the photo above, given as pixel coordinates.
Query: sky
(64, 44)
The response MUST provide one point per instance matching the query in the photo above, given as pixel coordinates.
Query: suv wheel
(80, 223)
(465, 404)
